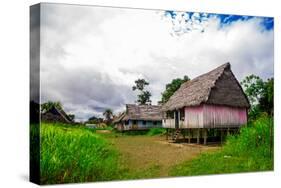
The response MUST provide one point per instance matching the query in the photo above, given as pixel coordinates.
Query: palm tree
(108, 114)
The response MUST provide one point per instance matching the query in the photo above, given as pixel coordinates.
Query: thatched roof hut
(218, 86)
(139, 117)
(56, 115)
(214, 99)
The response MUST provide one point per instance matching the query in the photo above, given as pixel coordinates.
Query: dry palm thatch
(219, 87)
(140, 112)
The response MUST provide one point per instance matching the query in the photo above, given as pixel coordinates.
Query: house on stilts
(213, 103)
(139, 117)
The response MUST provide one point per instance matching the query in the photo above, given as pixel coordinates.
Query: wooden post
(189, 135)
(184, 134)
(228, 132)
(198, 136)
(205, 136)
(167, 137)
(221, 135)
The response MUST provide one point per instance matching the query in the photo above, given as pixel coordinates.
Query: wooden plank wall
(210, 116)
(193, 117)
(222, 116)
(214, 116)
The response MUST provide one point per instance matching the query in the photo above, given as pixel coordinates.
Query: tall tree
(108, 114)
(172, 87)
(48, 105)
(260, 94)
(144, 95)
(254, 88)
(266, 100)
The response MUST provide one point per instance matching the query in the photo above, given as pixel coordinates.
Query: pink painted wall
(214, 116)
(193, 117)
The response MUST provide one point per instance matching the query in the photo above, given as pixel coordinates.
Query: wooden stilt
(167, 136)
(221, 135)
(228, 132)
(198, 136)
(189, 135)
(205, 136)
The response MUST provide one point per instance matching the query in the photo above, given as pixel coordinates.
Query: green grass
(250, 151)
(156, 131)
(75, 154)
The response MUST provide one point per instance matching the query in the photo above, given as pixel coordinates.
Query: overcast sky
(90, 56)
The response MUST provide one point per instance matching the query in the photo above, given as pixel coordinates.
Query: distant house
(55, 115)
(139, 117)
(214, 100)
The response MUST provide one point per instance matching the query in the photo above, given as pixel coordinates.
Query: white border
(14, 20)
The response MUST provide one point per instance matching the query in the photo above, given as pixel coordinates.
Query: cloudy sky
(90, 56)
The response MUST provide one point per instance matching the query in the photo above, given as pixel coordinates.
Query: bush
(257, 137)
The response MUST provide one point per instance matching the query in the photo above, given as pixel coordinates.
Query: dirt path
(151, 156)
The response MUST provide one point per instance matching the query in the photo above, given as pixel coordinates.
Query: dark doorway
(176, 119)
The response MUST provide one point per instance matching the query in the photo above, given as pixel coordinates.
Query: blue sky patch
(225, 19)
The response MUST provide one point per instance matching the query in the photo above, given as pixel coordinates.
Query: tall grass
(70, 154)
(251, 150)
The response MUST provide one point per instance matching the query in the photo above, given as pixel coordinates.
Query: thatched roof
(218, 86)
(56, 115)
(119, 118)
(140, 112)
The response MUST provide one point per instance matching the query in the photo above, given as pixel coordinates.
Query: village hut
(214, 100)
(56, 115)
(139, 117)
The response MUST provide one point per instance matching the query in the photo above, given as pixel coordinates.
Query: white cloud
(108, 48)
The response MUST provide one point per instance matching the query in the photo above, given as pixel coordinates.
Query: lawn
(78, 154)
(145, 156)
(248, 152)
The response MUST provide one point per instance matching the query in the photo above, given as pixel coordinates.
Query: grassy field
(77, 154)
(250, 151)
(73, 154)
(144, 156)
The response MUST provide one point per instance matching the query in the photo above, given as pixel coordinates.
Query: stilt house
(139, 117)
(214, 100)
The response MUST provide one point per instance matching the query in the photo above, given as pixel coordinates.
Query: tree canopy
(144, 95)
(108, 114)
(71, 116)
(260, 94)
(172, 87)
